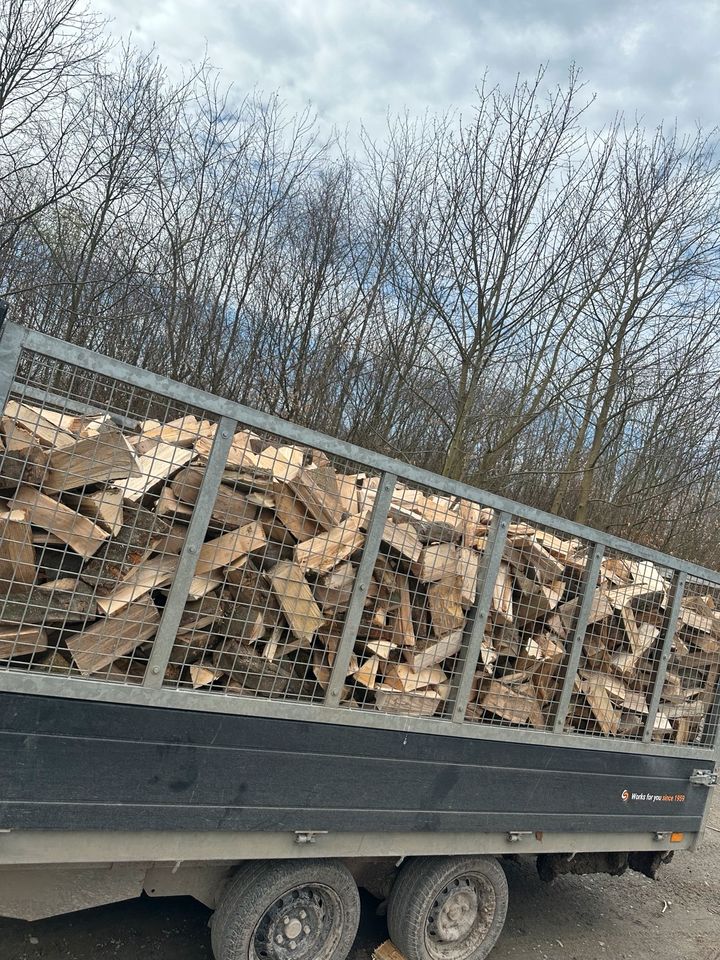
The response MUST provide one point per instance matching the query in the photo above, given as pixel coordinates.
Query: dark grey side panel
(76, 764)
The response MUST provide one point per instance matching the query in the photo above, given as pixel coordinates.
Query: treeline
(505, 296)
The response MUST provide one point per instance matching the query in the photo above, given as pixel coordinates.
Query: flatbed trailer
(272, 809)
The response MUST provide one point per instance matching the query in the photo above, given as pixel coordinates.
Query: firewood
(401, 618)
(329, 636)
(435, 652)
(246, 583)
(202, 675)
(446, 610)
(693, 709)
(402, 541)
(169, 506)
(383, 648)
(142, 579)
(46, 427)
(293, 592)
(243, 621)
(367, 672)
(324, 551)
(402, 677)
(22, 458)
(432, 518)
(597, 696)
(284, 463)
(440, 560)
(536, 600)
(106, 456)
(241, 454)
(199, 614)
(172, 542)
(556, 546)
(103, 642)
(254, 674)
(526, 553)
(104, 506)
(81, 534)
(513, 705)
(132, 544)
(347, 494)
(182, 432)
(318, 490)
(17, 553)
(334, 590)
(645, 595)
(475, 521)
(90, 426)
(275, 577)
(229, 548)
(233, 509)
(600, 609)
(502, 603)
(293, 513)
(57, 602)
(158, 572)
(21, 641)
(422, 704)
(158, 463)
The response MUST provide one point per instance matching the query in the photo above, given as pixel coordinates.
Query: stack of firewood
(94, 517)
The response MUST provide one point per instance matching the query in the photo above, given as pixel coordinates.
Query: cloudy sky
(355, 59)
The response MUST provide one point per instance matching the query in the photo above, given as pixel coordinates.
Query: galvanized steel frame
(15, 338)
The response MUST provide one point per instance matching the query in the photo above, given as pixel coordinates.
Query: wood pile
(93, 519)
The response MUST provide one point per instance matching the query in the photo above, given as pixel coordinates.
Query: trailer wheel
(287, 910)
(448, 908)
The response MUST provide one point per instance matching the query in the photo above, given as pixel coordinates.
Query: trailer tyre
(278, 910)
(448, 908)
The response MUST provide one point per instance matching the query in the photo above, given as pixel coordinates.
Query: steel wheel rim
(304, 923)
(460, 917)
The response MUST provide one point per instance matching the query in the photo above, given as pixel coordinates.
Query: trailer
(258, 712)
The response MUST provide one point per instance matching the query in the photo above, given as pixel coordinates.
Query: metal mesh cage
(145, 540)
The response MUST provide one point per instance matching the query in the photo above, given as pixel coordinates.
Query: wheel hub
(457, 913)
(459, 918)
(296, 927)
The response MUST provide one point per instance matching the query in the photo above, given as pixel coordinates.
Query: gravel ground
(576, 918)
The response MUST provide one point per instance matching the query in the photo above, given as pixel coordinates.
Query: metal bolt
(302, 914)
(286, 920)
(225, 434)
(306, 929)
(292, 945)
(192, 548)
(278, 938)
(156, 670)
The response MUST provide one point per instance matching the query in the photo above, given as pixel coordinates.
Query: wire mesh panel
(689, 703)
(621, 648)
(526, 637)
(88, 547)
(266, 619)
(414, 625)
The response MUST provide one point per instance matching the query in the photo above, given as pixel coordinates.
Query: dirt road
(577, 918)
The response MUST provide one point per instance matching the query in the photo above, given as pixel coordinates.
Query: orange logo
(625, 796)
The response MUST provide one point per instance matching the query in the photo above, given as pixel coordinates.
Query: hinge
(705, 778)
(514, 836)
(308, 836)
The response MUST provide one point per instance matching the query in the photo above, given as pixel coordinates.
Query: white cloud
(354, 60)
